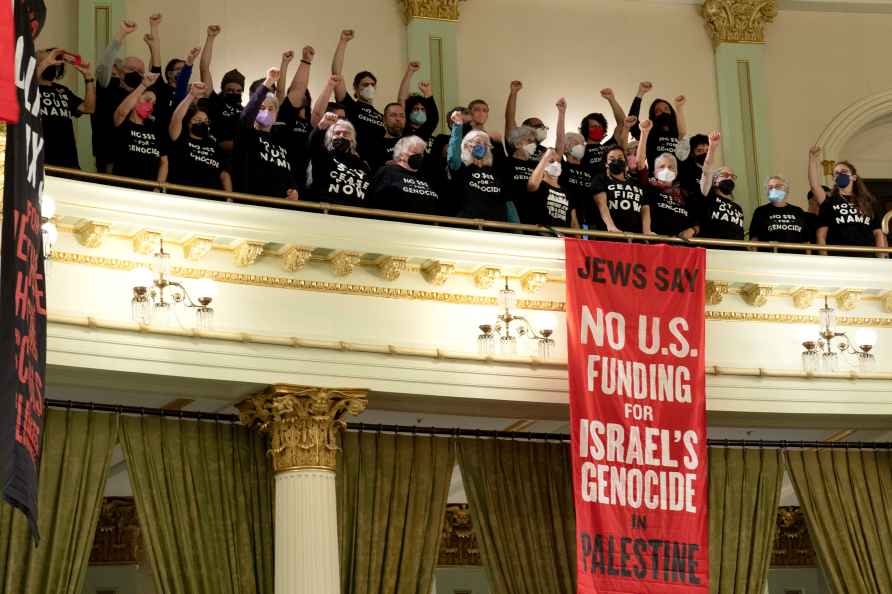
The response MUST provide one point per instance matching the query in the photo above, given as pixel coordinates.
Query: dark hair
(413, 100)
(811, 195)
(256, 84)
(673, 123)
(865, 201)
(584, 125)
(477, 102)
(361, 75)
(194, 109)
(170, 66)
(527, 121)
(391, 104)
(698, 140)
(334, 105)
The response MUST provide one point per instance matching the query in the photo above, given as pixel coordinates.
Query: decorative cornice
(485, 276)
(247, 252)
(440, 10)
(390, 267)
(533, 281)
(303, 422)
(755, 294)
(91, 233)
(437, 272)
(715, 292)
(738, 21)
(887, 302)
(146, 242)
(197, 248)
(848, 299)
(295, 257)
(740, 316)
(804, 297)
(343, 263)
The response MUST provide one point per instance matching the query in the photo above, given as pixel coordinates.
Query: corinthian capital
(303, 422)
(440, 10)
(738, 21)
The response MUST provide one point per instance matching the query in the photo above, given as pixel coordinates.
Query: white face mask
(541, 133)
(666, 176)
(367, 93)
(553, 169)
(577, 151)
(529, 148)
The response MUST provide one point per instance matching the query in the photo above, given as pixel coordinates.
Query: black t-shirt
(624, 201)
(397, 188)
(784, 224)
(337, 177)
(553, 205)
(58, 105)
(689, 176)
(720, 218)
(846, 224)
(577, 180)
(369, 124)
(298, 149)
(426, 130)
(195, 162)
(814, 222)
(224, 111)
(670, 212)
(664, 143)
(482, 193)
(596, 154)
(139, 150)
(265, 167)
(104, 132)
(518, 173)
(383, 155)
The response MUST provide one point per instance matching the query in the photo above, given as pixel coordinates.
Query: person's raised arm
(89, 103)
(153, 40)
(641, 153)
(249, 113)
(679, 116)
(618, 114)
(127, 105)
(176, 119)
(107, 60)
(715, 138)
(207, 54)
(298, 89)
(337, 63)
(539, 172)
(511, 107)
(814, 174)
(427, 129)
(453, 153)
(321, 104)
(644, 88)
(403, 93)
(561, 132)
(53, 58)
(182, 80)
(287, 56)
(628, 123)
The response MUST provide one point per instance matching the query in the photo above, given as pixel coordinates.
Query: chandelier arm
(187, 298)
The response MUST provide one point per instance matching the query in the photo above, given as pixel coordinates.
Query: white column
(306, 525)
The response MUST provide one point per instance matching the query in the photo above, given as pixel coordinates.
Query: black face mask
(700, 159)
(616, 167)
(53, 72)
(415, 161)
(664, 119)
(341, 145)
(133, 79)
(726, 186)
(200, 130)
(233, 98)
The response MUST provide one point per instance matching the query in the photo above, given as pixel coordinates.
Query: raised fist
(645, 125)
(198, 89)
(607, 93)
(213, 30)
(414, 66)
(287, 56)
(814, 152)
(307, 53)
(425, 88)
(715, 137)
(128, 27)
(644, 87)
(457, 118)
(149, 78)
(630, 122)
(149, 39)
(327, 120)
(516, 86)
(155, 19)
(193, 53)
(561, 105)
(347, 35)
(334, 80)
(273, 74)
(680, 101)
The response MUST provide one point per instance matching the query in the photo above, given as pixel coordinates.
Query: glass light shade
(163, 314)
(204, 318)
(142, 277)
(508, 345)
(507, 299)
(204, 288)
(486, 344)
(828, 318)
(829, 362)
(161, 265)
(47, 206)
(866, 362)
(546, 346)
(810, 361)
(865, 337)
(141, 310)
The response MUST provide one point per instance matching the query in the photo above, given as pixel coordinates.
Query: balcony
(311, 298)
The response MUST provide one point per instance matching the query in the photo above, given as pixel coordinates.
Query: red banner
(635, 339)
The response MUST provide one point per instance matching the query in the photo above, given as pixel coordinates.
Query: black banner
(22, 283)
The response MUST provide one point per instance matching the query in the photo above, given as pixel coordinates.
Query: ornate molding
(146, 242)
(848, 299)
(294, 257)
(440, 10)
(390, 267)
(485, 276)
(437, 272)
(792, 543)
(303, 422)
(738, 21)
(804, 297)
(715, 292)
(755, 294)
(247, 252)
(343, 263)
(197, 248)
(533, 281)
(886, 300)
(118, 538)
(91, 233)
(458, 542)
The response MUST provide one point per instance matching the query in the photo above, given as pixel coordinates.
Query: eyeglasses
(726, 176)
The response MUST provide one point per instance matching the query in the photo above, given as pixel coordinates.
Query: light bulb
(47, 206)
(865, 337)
(205, 288)
(141, 277)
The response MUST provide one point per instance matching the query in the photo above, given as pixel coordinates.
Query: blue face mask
(843, 180)
(776, 195)
(418, 117)
(479, 151)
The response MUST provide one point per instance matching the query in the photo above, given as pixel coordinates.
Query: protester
(59, 105)
(139, 152)
(552, 203)
(778, 220)
(194, 158)
(401, 185)
(540, 130)
(720, 216)
(338, 173)
(618, 198)
(471, 160)
(225, 107)
(667, 209)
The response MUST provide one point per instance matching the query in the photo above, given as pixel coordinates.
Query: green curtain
(846, 496)
(77, 447)
(204, 495)
(521, 498)
(744, 491)
(392, 492)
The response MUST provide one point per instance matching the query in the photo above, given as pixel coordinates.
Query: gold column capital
(303, 422)
(439, 10)
(738, 21)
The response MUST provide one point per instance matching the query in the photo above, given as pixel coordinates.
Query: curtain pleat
(392, 492)
(846, 496)
(77, 448)
(204, 495)
(521, 498)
